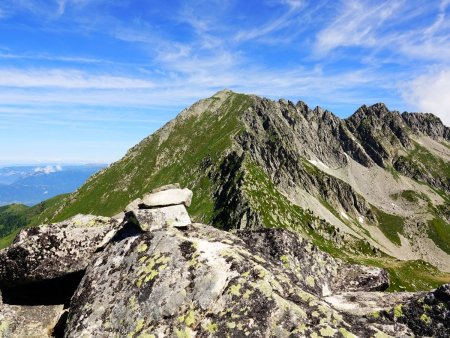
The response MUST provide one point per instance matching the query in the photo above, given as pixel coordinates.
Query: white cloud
(430, 93)
(283, 21)
(48, 169)
(356, 25)
(67, 78)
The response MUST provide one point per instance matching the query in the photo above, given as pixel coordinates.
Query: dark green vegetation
(439, 232)
(14, 217)
(391, 225)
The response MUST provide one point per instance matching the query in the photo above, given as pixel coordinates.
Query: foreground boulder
(205, 282)
(29, 321)
(324, 274)
(54, 250)
(199, 282)
(158, 275)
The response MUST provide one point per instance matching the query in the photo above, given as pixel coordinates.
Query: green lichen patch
(425, 318)
(151, 267)
(398, 312)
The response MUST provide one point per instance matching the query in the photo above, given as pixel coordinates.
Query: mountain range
(371, 188)
(292, 224)
(30, 185)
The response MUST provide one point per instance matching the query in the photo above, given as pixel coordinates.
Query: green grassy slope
(182, 158)
(14, 217)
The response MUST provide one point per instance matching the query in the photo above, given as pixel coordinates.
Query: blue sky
(84, 80)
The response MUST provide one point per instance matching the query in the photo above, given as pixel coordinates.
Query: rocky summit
(156, 274)
(287, 221)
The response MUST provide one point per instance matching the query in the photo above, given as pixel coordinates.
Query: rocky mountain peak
(427, 124)
(362, 187)
(377, 111)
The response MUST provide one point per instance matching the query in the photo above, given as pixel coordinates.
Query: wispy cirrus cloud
(357, 24)
(68, 79)
(280, 22)
(389, 28)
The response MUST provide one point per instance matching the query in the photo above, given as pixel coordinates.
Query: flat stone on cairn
(165, 206)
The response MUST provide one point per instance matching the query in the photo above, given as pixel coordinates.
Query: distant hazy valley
(31, 184)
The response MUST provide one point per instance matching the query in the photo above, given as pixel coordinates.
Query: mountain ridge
(254, 162)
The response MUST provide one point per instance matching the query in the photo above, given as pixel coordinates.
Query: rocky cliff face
(370, 188)
(156, 274)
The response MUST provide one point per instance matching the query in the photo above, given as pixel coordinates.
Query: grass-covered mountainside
(14, 217)
(372, 188)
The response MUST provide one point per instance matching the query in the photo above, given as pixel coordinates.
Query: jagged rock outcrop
(161, 280)
(304, 259)
(428, 315)
(380, 131)
(427, 124)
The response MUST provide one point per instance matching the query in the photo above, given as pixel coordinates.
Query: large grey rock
(427, 314)
(207, 283)
(153, 219)
(323, 274)
(29, 321)
(166, 198)
(54, 250)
